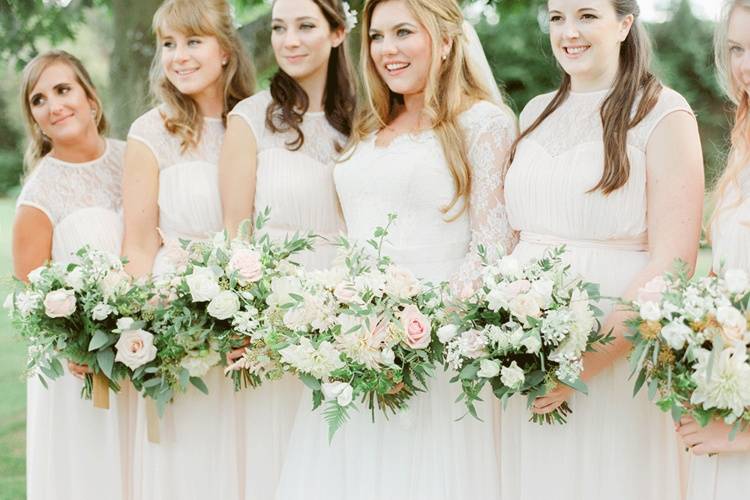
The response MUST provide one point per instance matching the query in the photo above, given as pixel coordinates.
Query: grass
(13, 386)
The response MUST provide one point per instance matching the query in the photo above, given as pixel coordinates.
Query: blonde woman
(429, 146)
(726, 476)
(597, 168)
(279, 153)
(171, 191)
(71, 198)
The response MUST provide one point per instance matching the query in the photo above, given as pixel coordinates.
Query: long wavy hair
(739, 153)
(202, 18)
(38, 143)
(290, 101)
(634, 81)
(453, 85)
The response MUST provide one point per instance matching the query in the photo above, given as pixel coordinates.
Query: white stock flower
(224, 305)
(532, 343)
(676, 333)
(512, 376)
(342, 392)
(650, 311)
(197, 364)
(736, 280)
(135, 348)
(542, 288)
(27, 302)
(306, 358)
(488, 368)
(203, 284)
(728, 386)
(246, 321)
(101, 311)
(74, 279)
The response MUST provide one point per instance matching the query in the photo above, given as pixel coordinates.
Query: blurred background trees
(114, 39)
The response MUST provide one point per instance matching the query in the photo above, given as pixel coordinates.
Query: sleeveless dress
(74, 450)
(726, 476)
(298, 187)
(614, 446)
(197, 456)
(422, 453)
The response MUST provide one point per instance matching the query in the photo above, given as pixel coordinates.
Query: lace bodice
(320, 137)
(409, 177)
(546, 188)
(730, 234)
(59, 188)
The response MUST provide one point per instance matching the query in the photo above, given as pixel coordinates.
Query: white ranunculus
(224, 306)
(446, 332)
(198, 364)
(60, 303)
(488, 368)
(135, 348)
(512, 376)
(74, 279)
(203, 284)
(650, 311)
(101, 311)
(676, 333)
(342, 392)
(736, 280)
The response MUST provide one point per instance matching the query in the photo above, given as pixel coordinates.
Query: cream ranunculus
(400, 282)
(246, 263)
(733, 324)
(60, 303)
(203, 284)
(512, 376)
(224, 306)
(135, 348)
(488, 368)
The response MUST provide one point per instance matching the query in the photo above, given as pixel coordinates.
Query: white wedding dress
(74, 450)
(613, 446)
(726, 476)
(298, 188)
(198, 454)
(423, 453)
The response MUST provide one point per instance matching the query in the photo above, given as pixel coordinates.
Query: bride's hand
(711, 439)
(79, 371)
(236, 354)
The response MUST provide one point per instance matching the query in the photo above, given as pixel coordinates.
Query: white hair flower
(350, 17)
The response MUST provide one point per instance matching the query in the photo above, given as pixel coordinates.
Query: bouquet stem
(100, 391)
(152, 421)
(557, 416)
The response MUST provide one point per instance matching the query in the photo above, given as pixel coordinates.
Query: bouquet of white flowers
(690, 345)
(359, 331)
(83, 312)
(210, 305)
(523, 331)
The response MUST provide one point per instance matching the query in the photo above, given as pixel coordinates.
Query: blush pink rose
(417, 327)
(60, 303)
(247, 264)
(653, 290)
(516, 288)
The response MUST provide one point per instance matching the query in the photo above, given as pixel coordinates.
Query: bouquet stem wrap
(100, 393)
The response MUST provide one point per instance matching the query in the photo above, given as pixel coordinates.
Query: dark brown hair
(290, 101)
(634, 79)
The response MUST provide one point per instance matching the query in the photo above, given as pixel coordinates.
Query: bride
(429, 146)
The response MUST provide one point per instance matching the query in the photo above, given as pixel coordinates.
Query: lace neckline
(98, 159)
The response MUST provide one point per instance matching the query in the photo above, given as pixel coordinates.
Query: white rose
(512, 376)
(676, 333)
(135, 348)
(510, 267)
(446, 332)
(60, 303)
(198, 364)
(650, 311)
(74, 279)
(224, 306)
(340, 391)
(524, 305)
(124, 323)
(488, 368)
(101, 311)
(400, 282)
(733, 324)
(736, 280)
(203, 284)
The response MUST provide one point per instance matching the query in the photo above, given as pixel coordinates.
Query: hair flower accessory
(350, 17)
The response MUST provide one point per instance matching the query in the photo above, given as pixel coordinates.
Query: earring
(93, 112)
(445, 56)
(224, 62)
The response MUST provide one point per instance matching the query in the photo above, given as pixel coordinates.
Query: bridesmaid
(171, 190)
(430, 146)
(610, 165)
(727, 475)
(71, 198)
(278, 152)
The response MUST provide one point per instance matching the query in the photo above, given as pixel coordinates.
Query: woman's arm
(32, 241)
(237, 167)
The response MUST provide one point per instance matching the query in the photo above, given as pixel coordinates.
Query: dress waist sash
(634, 244)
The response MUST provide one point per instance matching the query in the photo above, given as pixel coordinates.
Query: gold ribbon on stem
(100, 391)
(152, 421)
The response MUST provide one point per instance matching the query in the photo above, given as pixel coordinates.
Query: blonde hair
(739, 153)
(453, 85)
(39, 144)
(203, 18)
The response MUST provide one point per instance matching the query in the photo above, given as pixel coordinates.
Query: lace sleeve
(490, 134)
(32, 194)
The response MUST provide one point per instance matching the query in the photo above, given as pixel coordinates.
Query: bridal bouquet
(523, 331)
(83, 312)
(209, 306)
(690, 345)
(359, 331)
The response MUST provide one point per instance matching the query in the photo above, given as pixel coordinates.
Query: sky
(709, 9)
